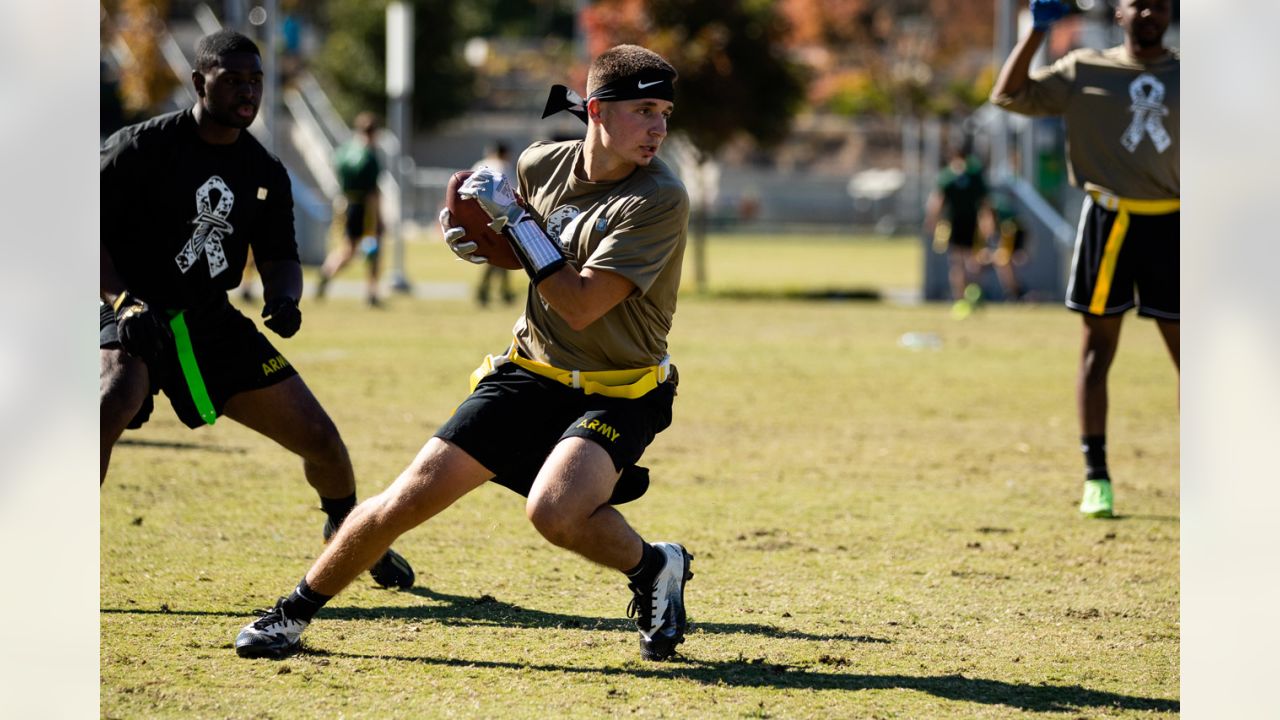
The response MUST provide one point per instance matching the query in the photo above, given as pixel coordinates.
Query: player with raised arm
(565, 413)
(184, 197)
(1121, 112)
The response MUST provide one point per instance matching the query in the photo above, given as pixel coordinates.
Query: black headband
(654, 84)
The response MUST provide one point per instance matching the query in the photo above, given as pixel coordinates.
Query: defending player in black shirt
(184, 196)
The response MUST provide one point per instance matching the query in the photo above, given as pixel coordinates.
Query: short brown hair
(622, 61)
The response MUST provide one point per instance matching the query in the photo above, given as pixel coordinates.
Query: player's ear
(594, 110)
(197, 79)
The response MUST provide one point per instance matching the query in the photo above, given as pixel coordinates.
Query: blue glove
(1046, 12)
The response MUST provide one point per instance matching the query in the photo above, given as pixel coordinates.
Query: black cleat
(392, 570)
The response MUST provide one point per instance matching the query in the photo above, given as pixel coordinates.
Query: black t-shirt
(964, 193)
(179, 215)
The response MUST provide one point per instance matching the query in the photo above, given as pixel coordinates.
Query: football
(468, 215)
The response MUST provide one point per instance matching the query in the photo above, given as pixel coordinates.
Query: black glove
(282, 316)
(143, 333)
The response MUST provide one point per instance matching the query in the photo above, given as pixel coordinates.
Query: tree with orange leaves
(735, 74)
(146, 81)
(904, 57)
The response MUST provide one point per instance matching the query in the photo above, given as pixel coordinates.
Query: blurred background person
(1006, 251)
(958, 216)
(497, 158)
(357, 168)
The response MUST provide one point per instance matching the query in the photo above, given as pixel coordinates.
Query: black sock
(651, 563)
(1094, 448)
(303, 603)
(337, 508)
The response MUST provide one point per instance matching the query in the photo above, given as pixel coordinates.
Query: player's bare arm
(281, 290)
(109, 283)
(580, 297)
(280, 278)
(1013, 76)
(583, 297)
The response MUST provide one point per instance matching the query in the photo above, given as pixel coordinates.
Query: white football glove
(539, 256)
(493, 192)
(453, 237)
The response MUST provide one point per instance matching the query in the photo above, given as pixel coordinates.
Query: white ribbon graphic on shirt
(1148, 108)
(211, 227)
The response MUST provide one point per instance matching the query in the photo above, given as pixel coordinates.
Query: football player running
(563, 416)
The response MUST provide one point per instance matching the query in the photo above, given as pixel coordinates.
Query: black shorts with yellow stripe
(1137, 268)
(514, 418)
(233, 356)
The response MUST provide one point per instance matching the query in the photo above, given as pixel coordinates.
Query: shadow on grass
(1157, 518)
(743, 672)
(826, 293)
(488, 611)
(755, 673)
(167, 445)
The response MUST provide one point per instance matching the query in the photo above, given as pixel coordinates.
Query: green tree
(352, 63)
(516, 18)
(735, 76)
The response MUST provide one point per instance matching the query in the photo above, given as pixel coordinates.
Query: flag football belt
(1123, 208)
(625, 384)
(191, 369)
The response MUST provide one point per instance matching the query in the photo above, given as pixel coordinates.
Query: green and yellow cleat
(1097, 501)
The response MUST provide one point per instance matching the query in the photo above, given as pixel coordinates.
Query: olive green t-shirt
(1121, 115)
(634, 227)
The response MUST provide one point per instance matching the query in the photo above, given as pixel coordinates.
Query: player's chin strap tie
(625, 384)
(563, 98)
(1123, 208)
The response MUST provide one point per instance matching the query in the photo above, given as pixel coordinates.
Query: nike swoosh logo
(648, 84)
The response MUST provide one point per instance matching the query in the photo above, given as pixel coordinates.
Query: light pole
(399, 104)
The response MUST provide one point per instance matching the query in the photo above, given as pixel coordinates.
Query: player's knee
(325, 446)
(553, 521)
(1096, 364)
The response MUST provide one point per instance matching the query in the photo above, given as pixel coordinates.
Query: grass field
(740, 264)
(879, 532)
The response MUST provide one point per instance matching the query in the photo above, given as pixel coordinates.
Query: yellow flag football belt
(1123, 208)
(626, 384)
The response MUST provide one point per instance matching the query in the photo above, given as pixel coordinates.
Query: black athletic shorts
(514, 418)
(232, 354)
(1143, 272)
(362, 220)
(963, 236)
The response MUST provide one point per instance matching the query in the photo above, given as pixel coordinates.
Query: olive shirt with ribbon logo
(635, 227)
(1121, 115)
